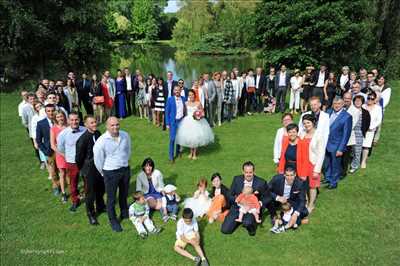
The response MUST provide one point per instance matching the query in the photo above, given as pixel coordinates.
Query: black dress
(307, 88)
(331, 92)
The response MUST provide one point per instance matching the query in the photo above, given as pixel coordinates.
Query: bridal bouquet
(198, 115)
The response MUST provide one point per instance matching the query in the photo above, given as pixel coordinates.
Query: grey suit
(280, 91)
(220, 100)
(211, 102)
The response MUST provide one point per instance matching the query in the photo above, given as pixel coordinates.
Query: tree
(35, 32)
(309, 32)
(145, 19)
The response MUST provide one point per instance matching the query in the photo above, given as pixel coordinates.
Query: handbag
(251, 90)
(98, 99)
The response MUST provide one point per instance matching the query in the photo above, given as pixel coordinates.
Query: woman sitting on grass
(220, 200)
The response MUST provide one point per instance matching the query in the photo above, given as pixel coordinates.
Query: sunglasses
(371, 98)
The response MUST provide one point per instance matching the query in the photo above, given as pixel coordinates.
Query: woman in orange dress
(60, 124)
(311, 157)
(220, 204)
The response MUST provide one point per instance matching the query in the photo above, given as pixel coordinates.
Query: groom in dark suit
(175, 111)
(260, 188)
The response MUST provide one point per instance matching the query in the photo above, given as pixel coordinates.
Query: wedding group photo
(200, 132)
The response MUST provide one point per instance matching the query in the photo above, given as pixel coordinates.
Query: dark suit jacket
(316, 77)
(227, 194)
(297, 194)
(174, 83)
(277, 78)
(43, 137)
(133, 80)
(365, 121)
(259, 185)
(84, 152)
(83, 92)
(261, 84)
(339, 132)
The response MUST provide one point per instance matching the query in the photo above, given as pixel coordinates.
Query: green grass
(358, 224)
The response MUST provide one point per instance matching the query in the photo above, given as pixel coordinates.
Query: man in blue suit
(340, 126)
(43, 144)
(174, 113)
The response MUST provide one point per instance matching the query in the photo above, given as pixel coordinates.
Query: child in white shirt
(187, 232)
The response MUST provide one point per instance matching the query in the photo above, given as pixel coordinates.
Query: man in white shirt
(111, 154)
(282, 83)
(24, 101)
(130, 95)
(322, 119)
(260, 87)
(319, 81)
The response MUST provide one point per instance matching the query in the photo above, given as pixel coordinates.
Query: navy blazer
(43, 137)
(258, 184)
(174, 83)
(316, 76)
(297, 194)
(261, 84)
(339, 131)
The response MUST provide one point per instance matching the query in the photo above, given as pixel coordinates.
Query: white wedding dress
(193, 133)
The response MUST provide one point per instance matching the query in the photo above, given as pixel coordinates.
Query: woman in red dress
(311, 156)
(289, 150)
(108, 101)
(59, 125)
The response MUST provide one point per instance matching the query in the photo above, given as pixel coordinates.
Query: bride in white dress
(193, 133)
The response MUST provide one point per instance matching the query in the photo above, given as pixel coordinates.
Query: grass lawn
(357, 224)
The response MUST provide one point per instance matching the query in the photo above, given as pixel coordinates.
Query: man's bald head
(113, 126)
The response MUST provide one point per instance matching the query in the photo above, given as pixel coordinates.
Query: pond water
(160, 58)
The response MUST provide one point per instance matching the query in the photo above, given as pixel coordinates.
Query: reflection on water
(160, 58)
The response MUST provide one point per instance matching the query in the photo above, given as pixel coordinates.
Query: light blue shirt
(66, 142)
(112, 153)
(334, 115)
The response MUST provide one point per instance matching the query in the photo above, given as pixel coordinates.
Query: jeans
(173, 209)
(113, 180)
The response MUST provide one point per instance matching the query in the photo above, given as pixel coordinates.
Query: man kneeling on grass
(187, 232)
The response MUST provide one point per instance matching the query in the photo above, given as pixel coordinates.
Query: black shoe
(100, 211)
(325, 181)
(116, 227)
(252, 233)
(123, 216)
(332, 187)
(93, 220)
(73, 208)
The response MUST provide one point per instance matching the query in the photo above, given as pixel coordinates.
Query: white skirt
(369, 137)
(194, 133)
(199, 206)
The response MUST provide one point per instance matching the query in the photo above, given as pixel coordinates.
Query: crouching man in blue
(260, 188)
(287, 188)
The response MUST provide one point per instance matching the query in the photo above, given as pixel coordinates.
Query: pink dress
(60, 160)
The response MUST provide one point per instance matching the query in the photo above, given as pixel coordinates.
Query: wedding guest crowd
(335, 137)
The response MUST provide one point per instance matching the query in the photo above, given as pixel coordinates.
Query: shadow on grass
(212, 148)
